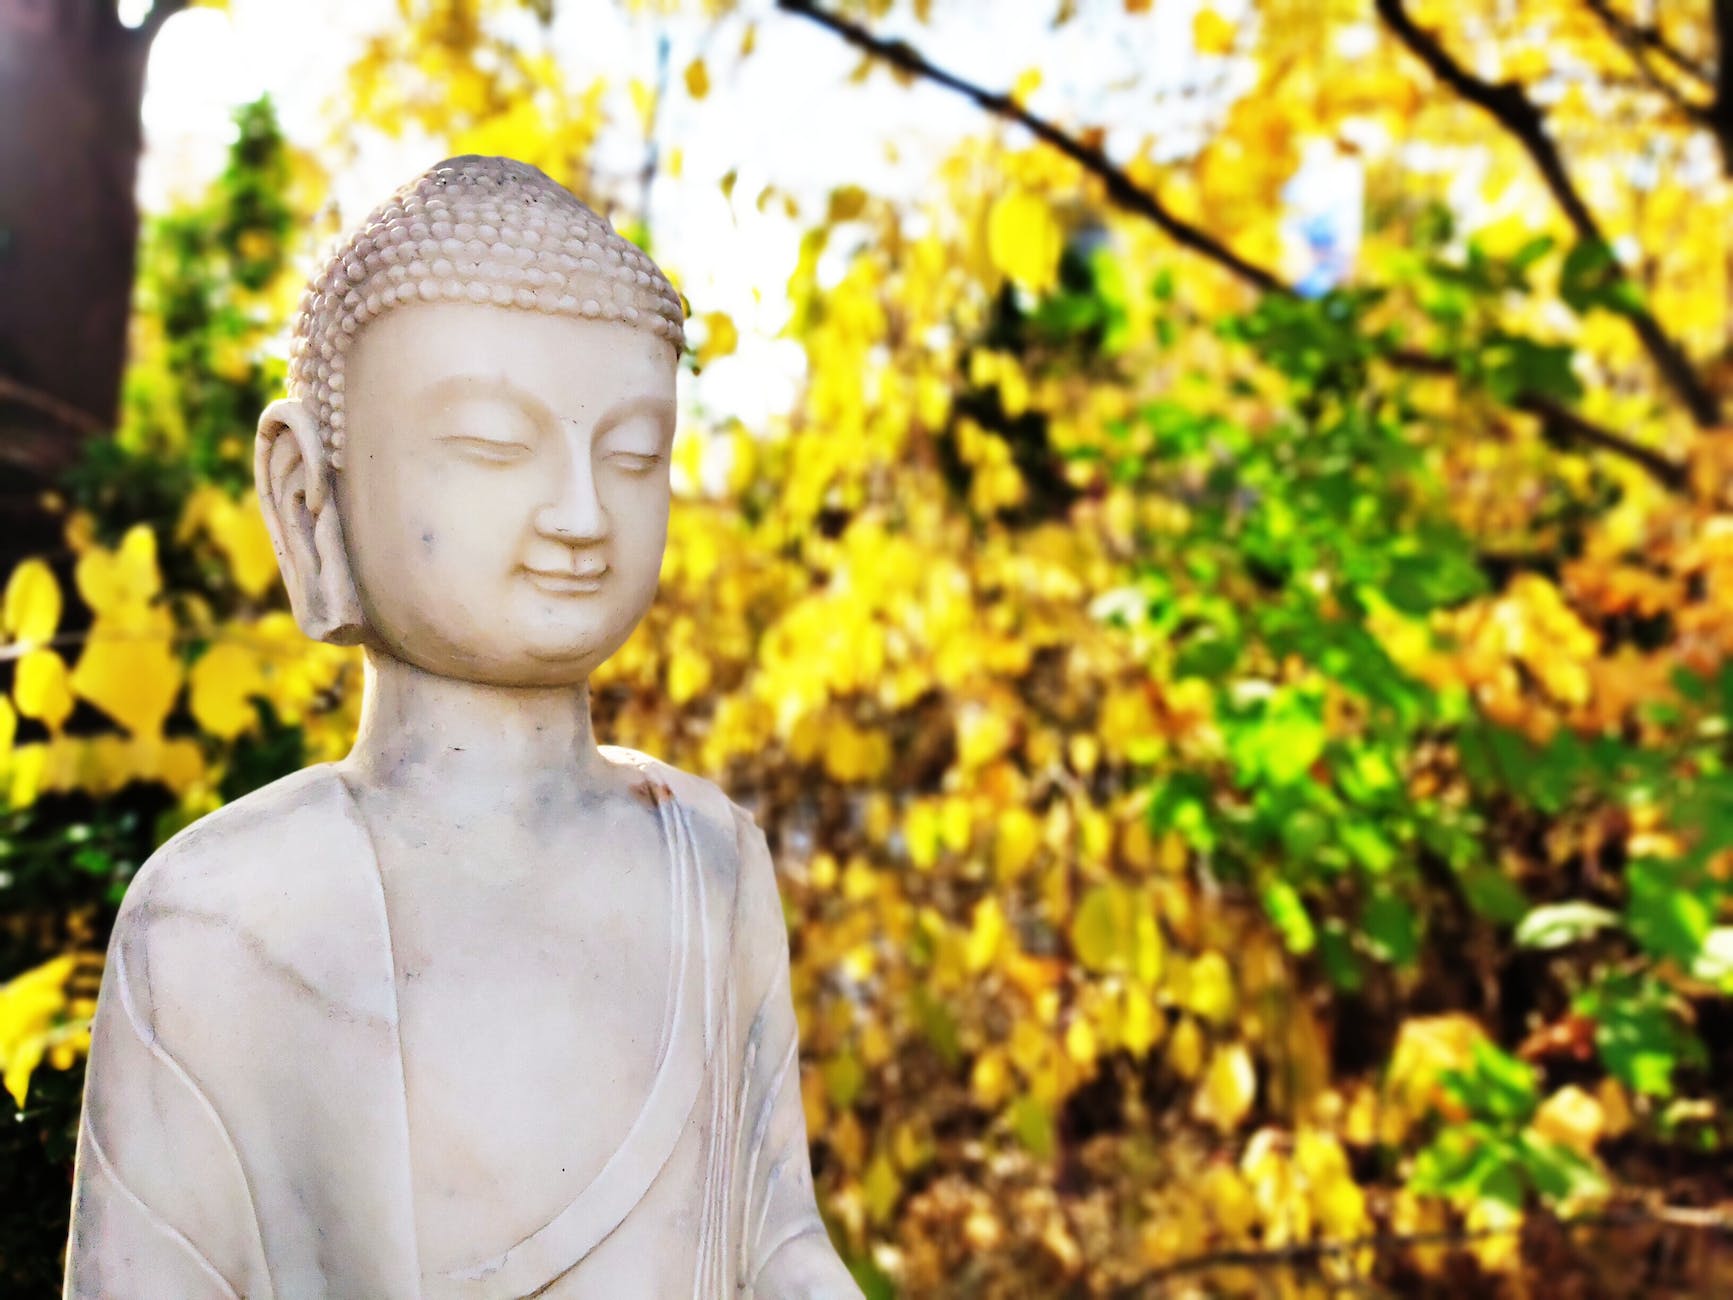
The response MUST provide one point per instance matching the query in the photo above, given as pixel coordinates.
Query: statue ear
(293, 472)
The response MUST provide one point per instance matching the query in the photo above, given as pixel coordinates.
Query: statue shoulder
(243, 858)
(713, 817)
(278, 890)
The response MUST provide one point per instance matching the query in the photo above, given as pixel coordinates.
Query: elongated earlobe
(293, 473)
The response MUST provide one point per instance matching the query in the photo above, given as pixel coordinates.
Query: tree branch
(1721, 109)
(1640, 43)
(63, 413)
(1637, 36)
(1512, 109)
(1562, 424)
(1638, 49)
(1689, 1218)
(1124, 191)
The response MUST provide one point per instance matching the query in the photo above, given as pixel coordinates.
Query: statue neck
(439, 738)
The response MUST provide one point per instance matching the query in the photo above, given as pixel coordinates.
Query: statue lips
(567, 582)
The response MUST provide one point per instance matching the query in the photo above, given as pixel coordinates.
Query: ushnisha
(479, 230)
(486, 1009)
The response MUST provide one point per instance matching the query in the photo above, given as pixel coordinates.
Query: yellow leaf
(1140, 1026)
(239, 531)
(846, 203)
(644, 100)
(1230, 1202)
(221, 689)
(688, 674)
(1211, 33)
(1080, 1044)
(40, 687)
(8, 727)
(1573, 1118)
(1185, 1049)
(30, 1004)
(130, 671)
(881, 1187)
(1229, 1087)
(985, 936)
(1098, 927)
(1210, 989)
(720, 337)
(125, 579)
(697, 79)
(989, 1080)
(1016, 838)
(1024, 240)
(31, 609)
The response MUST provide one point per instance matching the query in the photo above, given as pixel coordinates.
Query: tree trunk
(71, 82)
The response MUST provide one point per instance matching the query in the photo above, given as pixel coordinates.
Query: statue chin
(486, 1009)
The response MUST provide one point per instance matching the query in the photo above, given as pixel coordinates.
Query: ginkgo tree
(1246, 753)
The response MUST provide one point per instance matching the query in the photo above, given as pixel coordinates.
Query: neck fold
(456, 740)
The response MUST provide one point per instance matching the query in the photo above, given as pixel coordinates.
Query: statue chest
(534, 996)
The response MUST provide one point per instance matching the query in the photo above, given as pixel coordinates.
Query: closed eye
(495, 450)
(635, 462)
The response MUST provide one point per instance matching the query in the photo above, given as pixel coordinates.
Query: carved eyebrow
(659, 407)
(462, 388)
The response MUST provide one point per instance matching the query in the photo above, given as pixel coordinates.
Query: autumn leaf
(30, 611)
(1024, 240)
(41, 689)
(697, 79)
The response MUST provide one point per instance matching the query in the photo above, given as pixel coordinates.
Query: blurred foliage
(1250, 769)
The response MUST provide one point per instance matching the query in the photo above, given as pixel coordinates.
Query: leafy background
(1246, 745)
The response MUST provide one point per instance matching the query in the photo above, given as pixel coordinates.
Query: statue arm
(160, 1208)
(786, 1251)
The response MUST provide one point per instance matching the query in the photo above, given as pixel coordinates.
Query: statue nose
(576, 513)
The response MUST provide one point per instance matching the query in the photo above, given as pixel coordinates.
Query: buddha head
(470, 473)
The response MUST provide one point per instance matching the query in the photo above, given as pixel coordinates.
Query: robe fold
(246, 1133)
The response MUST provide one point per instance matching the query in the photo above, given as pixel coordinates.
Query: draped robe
(246, 1133)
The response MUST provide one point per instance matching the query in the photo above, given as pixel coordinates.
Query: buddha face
(504, 492)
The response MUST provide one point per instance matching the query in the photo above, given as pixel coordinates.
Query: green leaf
(1496, 1085)
(1592, 278)
(1287, 912)
(1666, 912)
(1392, 929)
(1640, 1036)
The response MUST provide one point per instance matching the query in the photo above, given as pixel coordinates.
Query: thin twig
(1689, 1218)
(1648, 38)
(1126, 193)
(11, 390)
(1638, 46)
(1508, 105)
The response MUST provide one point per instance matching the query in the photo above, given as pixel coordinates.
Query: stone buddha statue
(486, 1009)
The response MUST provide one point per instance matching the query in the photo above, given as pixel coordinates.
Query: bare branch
(1631, 37)
(1565, 425)
(1124, 191)
(1688, 1218)
(1721, 110)
(1649, 39)
(63, 413)
(1511, 108)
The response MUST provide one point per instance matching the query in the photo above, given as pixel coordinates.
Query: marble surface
(488, 1008)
